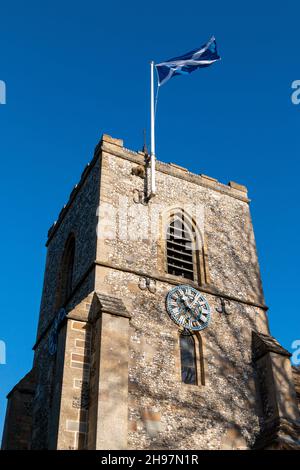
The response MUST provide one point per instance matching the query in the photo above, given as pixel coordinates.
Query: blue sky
(75, 70)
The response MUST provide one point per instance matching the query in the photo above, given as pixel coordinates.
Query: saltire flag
(187, 63)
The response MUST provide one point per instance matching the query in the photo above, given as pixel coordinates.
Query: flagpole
(152, 151)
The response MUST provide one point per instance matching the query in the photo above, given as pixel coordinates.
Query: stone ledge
(175, 280)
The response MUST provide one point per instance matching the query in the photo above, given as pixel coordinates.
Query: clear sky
(75, 70)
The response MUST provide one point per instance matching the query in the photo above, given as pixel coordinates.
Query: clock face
(188, 308)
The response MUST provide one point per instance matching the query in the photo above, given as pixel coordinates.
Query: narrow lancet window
(188, 359)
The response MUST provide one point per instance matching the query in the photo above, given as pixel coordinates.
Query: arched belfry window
(66, 271)
(181, 246)
(188, 359)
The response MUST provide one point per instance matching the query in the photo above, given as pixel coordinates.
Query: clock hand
(194, 315)
(187, 304)
(196, 299)
(191, 310)
(190, 307)
(184, 299)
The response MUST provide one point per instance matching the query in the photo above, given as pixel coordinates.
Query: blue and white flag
(188, 62)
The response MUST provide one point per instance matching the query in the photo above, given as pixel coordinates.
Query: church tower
(153, 329)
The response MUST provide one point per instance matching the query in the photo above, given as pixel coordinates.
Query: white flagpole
(152, 153)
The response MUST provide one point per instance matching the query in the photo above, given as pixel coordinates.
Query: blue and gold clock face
(188, 308)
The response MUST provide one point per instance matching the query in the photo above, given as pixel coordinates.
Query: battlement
(109, 143)
(116, 147)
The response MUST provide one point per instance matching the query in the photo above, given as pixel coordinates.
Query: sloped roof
(263, 344)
